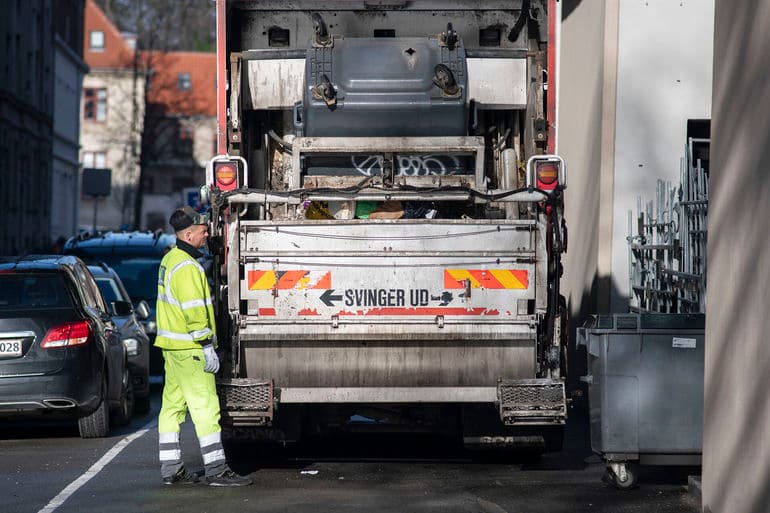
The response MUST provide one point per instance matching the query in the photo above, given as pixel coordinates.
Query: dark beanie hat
(185, 217)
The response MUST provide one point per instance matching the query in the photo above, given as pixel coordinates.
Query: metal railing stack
(667, 254)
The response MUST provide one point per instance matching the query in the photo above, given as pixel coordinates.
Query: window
(91, 289)
(109, 289)
(32, 290)
(184, 142)
(96, 41)
(183, 82)
(94, 159)
(185, 133)
(94, 104)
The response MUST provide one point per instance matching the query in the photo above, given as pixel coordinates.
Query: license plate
(10, 347)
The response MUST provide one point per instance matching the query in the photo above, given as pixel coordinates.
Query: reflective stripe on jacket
(184, 311)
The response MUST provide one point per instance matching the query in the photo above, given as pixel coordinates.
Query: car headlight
(132, 346)
(150, 327)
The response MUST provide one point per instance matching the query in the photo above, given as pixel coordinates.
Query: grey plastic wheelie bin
(645, 390)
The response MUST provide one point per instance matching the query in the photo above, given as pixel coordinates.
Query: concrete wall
(585, 94)
(632, 73)
(665, 53)
(736, 466)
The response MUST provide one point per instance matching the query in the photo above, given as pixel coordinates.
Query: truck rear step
(532, 402)
(246, 401)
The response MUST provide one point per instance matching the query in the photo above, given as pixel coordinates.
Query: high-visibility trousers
(188, 387)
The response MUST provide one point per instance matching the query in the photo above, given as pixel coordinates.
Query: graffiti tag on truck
(410, 165)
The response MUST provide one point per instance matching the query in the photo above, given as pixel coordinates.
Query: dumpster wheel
(620, 475)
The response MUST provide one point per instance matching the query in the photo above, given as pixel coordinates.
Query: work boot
(181, 477)
(228, 478)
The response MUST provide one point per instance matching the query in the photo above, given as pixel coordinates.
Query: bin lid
(647, 321)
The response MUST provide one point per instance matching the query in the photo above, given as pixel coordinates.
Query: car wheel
(96, 424)
(142, 405)
(122, 415)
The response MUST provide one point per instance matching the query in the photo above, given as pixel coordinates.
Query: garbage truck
(386, 220)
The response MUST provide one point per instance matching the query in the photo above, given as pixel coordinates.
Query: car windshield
(33, 290)
(138, 274)
(110, 290)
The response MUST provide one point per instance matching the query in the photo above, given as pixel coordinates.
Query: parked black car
(136, 257)
(60, 352)
(131, 331)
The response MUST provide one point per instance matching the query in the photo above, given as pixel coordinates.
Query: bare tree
(159, 26)
(165, 25)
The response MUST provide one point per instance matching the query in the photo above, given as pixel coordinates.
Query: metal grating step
(532, 402)
(246, 401)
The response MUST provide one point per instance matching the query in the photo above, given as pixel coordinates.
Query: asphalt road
(47, 467)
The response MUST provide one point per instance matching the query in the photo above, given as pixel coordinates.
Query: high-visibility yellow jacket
(184, 311)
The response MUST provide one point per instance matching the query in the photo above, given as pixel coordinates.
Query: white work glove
(212, 360)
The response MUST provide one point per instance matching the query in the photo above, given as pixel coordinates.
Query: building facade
(150, 118)
(180, 132)
(26, 125)
(111, 113)
(69, 69)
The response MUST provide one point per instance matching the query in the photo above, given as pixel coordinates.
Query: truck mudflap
(245, 401)
(532, 402)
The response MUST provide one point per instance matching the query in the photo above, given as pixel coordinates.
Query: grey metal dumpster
(645, 390)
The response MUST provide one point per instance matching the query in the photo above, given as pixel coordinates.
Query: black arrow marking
(445, 298)
(328, 298)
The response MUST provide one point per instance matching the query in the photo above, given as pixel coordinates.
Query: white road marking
(95, 468)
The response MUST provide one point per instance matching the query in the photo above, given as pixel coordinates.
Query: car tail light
(67, 335)
(226, 174)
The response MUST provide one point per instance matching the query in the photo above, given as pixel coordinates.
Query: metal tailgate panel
(389, 310)
(387, 272)
(410, 363)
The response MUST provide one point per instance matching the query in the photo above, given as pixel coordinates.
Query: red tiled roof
(117, 54)
(164, 93)
(164, 90)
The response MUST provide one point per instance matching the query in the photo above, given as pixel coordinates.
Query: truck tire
(97, 423)
(554, 438)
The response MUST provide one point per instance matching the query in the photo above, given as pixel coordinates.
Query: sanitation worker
(187, 336)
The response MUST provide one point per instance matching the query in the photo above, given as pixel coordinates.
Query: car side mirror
(143, 310)
(122, 308)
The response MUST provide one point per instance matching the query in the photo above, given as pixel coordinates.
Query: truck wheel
(554, 438)
(96, 424)
(125, 411)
